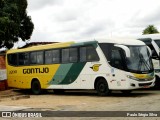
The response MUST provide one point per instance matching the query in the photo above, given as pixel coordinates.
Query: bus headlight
(144, 79)
(131, 77)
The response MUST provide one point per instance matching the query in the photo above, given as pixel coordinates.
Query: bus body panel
(78, 75)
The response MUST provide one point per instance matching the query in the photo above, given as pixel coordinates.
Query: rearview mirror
(150, 51)
(126, 49)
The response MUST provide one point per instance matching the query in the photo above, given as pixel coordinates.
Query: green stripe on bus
(67, 73)
(73, 73)
(61, 73)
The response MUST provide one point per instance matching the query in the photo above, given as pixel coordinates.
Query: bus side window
(55, 56)
(92, 54)
(116, 59)
(73, 54)
(69, 55)
(48, 57)
(12, 59)
(52, 56)
(83, 54)
(65, 55)
(39, 57)
(88, 54)
(33, 58)
(23, 59)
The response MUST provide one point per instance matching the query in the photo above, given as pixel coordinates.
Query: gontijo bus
(153, 42)
(103, 65)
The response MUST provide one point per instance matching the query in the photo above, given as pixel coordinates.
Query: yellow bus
(103, 65)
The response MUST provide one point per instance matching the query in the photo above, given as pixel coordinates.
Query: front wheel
(102, 87)
(36, 87)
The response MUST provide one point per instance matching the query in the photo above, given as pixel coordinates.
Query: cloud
(151, 18)
(65, 16)
(98, 27)
(39, 4)
(75, 19)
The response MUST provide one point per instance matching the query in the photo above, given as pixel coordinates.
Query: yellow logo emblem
(95, 67)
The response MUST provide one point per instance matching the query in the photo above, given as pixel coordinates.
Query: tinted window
(157, 41)
(148, 41)
(52, 56)
(12, 59)
(65, 55)
(116, 59)
(48, 56)
(107, 50)
(88, 54)
(83, 54)
(70, 55)
(33, 57)
(73, 55)
(36, 57)
(40, 57)
(56, 56)
(23, 59)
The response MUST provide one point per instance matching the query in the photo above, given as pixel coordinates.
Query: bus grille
(144, 84)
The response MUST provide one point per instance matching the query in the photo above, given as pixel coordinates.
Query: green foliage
(14, 22)
(151, 29)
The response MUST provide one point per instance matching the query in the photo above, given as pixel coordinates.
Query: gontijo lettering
(35, 70)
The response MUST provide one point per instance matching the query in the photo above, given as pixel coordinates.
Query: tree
(151, 29)
(14, 22)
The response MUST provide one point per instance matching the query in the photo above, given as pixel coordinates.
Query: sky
(68, 20)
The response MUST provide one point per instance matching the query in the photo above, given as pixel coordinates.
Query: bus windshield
(157, 41)
(139, 60)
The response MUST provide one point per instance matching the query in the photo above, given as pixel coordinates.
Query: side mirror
(126, 49)
(150, 51)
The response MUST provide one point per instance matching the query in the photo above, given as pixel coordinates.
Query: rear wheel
(36, 87)
(102, 87)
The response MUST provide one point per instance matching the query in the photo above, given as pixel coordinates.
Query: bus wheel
(157, 83)
(126, 92)
(58, 91)
(102, 87)
(36, 87)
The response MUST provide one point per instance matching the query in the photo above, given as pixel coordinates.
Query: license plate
(146, 86)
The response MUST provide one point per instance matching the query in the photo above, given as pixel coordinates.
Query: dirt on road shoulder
(77, 100)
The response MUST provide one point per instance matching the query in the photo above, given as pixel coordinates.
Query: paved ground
(140, 100)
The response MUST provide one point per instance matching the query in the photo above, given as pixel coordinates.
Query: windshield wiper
(142, 60)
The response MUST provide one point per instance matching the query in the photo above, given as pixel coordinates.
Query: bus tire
(157, 83)
(126, 92)
(36, 87)
(102, 87)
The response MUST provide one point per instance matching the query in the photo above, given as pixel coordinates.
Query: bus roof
(77, 43)
(152, 36)
(43, 47)
(124, 41)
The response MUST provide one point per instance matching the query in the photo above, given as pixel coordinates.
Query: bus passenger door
(118, 65)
